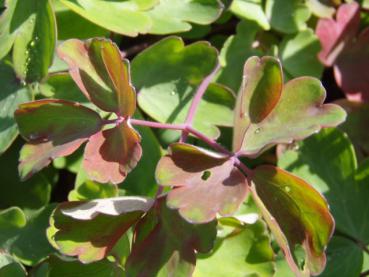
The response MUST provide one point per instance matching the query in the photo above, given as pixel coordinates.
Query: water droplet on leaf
(257, 131)
(33, 43)
(287, 189)
(173, 93)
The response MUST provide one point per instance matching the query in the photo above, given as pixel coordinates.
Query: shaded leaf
(164, 229)
(56, 266)
(111, 154)
(297, 215)
(53, 128)
(25, 238)
(299, 54)
(11, 267)
(250, 10)
(90, 230)
(206, 183)
(34, 41)
(127, 18)
(29, 195)
(263, 119)
(235, 51)
(346, 189)
(246, 252)
(12, 95)
(287, 16)
(335, 34)
(167, 96)
(173, 16)
(351, 69)
(97, 68)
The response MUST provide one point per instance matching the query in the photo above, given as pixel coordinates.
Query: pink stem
(158, 125)
(197, 99)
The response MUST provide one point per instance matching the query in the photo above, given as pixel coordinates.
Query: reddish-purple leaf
(351, 69)
(296, 213)
(165, 242)
(334, 35)
(111, 154)
(90, 230)
(53, 128)
(97, 68)
(206, 183)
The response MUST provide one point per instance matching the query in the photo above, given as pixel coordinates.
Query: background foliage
(172, 46)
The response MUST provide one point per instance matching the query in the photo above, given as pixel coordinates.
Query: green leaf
(90, 230)
(345, 258)
(164, 229)
(124, 17)
(250, 10)
(13, 94)
(89, 190)
(97, 68)
(56, 266)
(297, 215)
(25, 238)
(206, 183)
(174, 16)
(167, 75)
(246, 252)
(112, 153)
(235, 51)
(31, 194)
(33, 28)
(346, 189)
(10, 267)
(53, 128)
(321, 8)
(287, 16)
(261, 122)
(299, 54)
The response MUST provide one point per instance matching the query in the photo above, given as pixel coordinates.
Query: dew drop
(36, 38)
(33, 43)
(287, 189)
(257, 131)
(27, 52)
(23, 83)
(173, 93)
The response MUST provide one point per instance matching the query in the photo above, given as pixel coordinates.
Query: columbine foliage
(210, 152)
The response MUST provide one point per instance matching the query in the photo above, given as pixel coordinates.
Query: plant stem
(157, 125)
(197, 99)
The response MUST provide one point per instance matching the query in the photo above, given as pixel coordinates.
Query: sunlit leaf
(97, 68)
(206, 183)
(164, 229)
(287, 16)
(335, 34)
(250, 10)
(297, 215)
(12, 94)
(346, 190)
(90, 230)
(235, 51)
(111, 154)
(167, 75)
(124, 17)
(321, 8)
(53, 128)
(246, 252)
(173, 16)
(263, 118)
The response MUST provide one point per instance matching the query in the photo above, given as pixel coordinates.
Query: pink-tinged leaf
(111, 154)
(205, 183)
(297, 215)
(260, 91)
(97, 68)
(90, 230)
(351, 69)
(165, 242)
(34, 157)
(334, 35)
(299, 112)
(53, 128)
